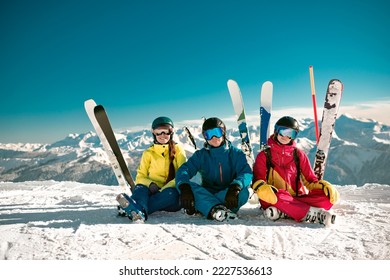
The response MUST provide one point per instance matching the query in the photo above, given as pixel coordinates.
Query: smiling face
(163, 134)
(162, 139)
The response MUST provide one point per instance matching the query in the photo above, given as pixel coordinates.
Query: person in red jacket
(285, 183)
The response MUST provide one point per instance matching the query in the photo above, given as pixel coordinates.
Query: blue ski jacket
(218, 167)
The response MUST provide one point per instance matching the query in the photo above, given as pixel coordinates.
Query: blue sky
(143, 59)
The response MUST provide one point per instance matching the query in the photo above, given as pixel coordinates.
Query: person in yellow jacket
(155, 181)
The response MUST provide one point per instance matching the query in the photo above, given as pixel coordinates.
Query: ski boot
(273, 214)
(131, 208)
(321, 216)
(221, 213)
(121, 212)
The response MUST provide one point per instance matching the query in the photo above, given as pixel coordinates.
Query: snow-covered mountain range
(360, 153)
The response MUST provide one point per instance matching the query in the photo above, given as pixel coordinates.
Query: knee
(139, 188)
(172, 192)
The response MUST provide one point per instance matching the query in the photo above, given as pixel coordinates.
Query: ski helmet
(214, 122)
(162, 121)
(287, 122)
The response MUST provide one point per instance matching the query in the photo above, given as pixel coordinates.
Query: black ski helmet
(162, 121)
(287, 121)
(214, 122)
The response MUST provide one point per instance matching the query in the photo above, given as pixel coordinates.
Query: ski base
(329, 116)
(265, 112)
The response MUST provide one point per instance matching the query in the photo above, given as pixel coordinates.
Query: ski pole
(313, 95)
(191, 137)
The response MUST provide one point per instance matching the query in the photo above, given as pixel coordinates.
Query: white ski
(89, 108)
(329, 115)
(239, 109)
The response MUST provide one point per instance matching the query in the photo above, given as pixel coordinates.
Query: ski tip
(231, 82)
(337, 83)
(267, 85)
(98, 108)
(89, 103)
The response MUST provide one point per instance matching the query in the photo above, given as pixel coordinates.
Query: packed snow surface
(49, 220)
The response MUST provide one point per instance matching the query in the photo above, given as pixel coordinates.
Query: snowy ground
(73, 221)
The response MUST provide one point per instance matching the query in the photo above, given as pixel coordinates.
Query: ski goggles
(215, 132)
(162, 131)
(286, 131)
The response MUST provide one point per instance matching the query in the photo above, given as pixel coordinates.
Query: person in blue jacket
(225, 174)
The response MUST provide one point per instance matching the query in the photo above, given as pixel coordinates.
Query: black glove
(187, 198)
(231, 198)
(153, 188)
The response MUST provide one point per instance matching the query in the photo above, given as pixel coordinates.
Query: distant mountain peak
(359, 153)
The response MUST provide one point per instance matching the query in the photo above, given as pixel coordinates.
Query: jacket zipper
(220, 172)
(282, 162)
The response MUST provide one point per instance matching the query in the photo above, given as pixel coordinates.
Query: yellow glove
(265, 192)
(328, 189)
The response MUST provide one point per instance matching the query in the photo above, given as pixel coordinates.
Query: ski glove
(153, 188)
(231, 198)
(265, 192)
(330, 191)
(187, 198)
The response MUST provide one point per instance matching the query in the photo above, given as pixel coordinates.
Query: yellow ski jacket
(154, 165)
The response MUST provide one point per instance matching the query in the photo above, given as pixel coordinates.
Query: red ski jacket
(283, 175)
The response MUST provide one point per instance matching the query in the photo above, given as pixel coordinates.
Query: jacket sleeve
(143, 170)
(180, 158)
(243, 170)
(188, 169)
